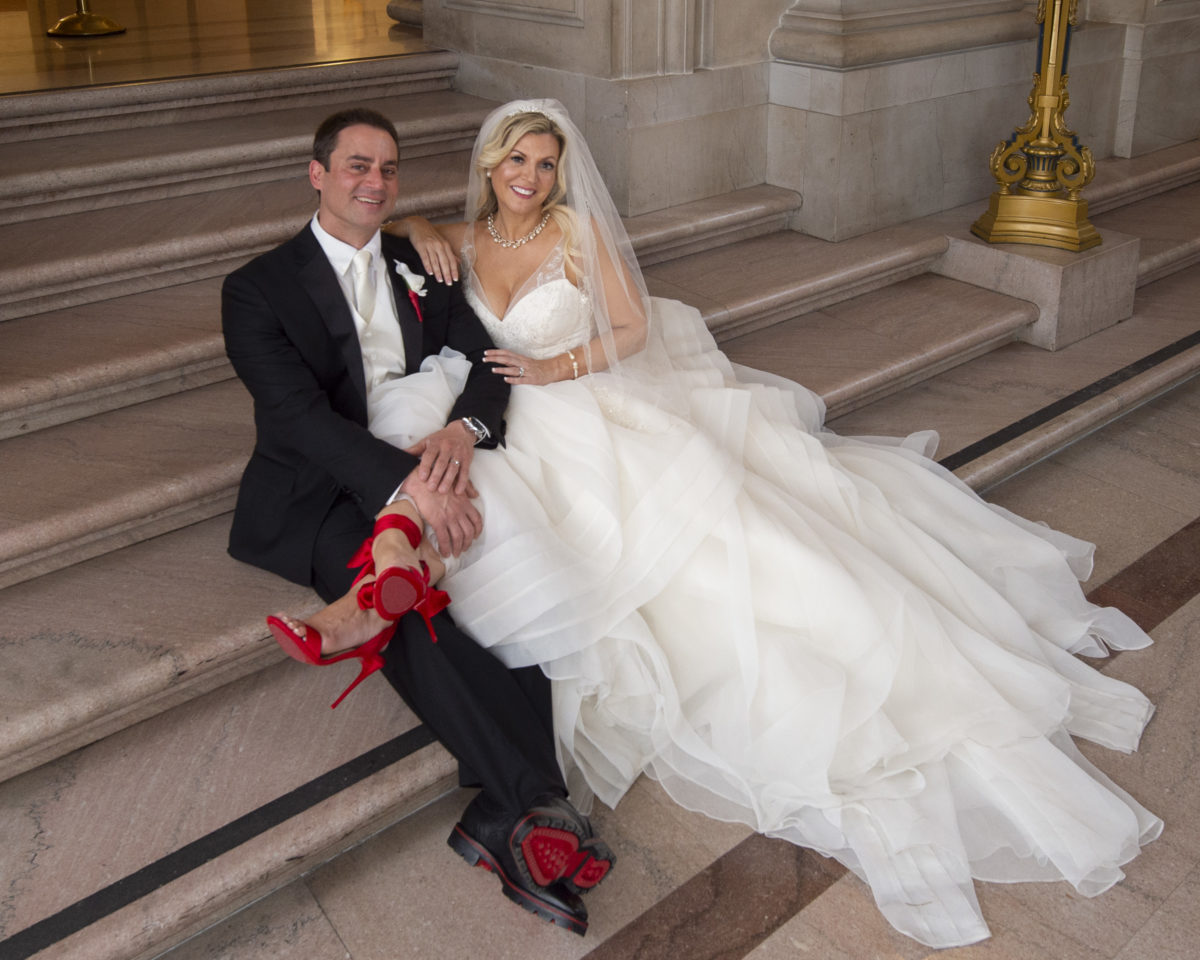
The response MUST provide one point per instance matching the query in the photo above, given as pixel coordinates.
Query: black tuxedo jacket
(291, 337)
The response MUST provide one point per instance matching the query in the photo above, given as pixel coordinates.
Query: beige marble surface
(1077, 293)
(405, 894)
(460, 913)
(99, 646)
(99, 814)
(1021, 378)
(173, 39)
(101, 477)
(288, 925)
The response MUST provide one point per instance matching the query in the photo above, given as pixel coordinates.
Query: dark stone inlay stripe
(1149, 590)
(730, 907)
(1047, 413)
(25, 943)
(1159, 582)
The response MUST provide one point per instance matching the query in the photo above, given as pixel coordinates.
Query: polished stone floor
(180, 38)
(692, 888)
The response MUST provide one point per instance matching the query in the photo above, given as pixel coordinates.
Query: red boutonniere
(416, 287)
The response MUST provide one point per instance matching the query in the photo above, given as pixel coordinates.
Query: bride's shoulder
(454, 234)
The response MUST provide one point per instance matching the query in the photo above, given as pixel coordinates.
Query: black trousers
(495, 721)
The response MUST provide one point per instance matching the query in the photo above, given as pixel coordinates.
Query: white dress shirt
(379, 340)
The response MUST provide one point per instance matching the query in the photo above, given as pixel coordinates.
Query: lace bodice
(548, 315)
(548, 320)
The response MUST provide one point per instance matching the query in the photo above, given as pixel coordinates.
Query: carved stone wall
(894, 137)
(1159, 104)
(672, 94)
(876, 111)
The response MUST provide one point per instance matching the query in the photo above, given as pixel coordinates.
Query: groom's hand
(446, 458)
(453, 517)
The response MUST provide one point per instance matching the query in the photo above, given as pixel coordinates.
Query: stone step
(740, 288)
(194, 816)
(137, 478)
(99, 255)
(113, 640)
(858, 351)
(190, 860)
(82, 360)
(756, 283)
(85, 488)
(59, 113)
(1018, 404)
(851, 353)
(1170, 242)
(1121, 181)
(113, 168)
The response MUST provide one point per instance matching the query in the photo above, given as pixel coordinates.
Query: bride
(832, 640)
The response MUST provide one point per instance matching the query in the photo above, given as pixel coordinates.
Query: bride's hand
(437, 256)
(518, 369)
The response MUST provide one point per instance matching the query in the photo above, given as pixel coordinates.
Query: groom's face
(359, 189)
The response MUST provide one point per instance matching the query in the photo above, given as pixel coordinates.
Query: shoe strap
(397, 521)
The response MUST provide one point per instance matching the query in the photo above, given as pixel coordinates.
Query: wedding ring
(520, 372)
(457, 463)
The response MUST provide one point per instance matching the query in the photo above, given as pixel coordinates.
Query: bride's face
(523, 179)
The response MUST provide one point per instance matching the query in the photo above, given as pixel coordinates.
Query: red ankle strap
(396, 521)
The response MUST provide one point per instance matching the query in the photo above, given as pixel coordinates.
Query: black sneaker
(481, 841)
(553, 843)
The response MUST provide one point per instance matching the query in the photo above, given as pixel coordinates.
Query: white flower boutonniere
(416, 286)
(415, 281)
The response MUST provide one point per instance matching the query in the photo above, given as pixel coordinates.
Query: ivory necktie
(364, 285)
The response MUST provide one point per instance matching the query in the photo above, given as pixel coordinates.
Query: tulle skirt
(832, 640)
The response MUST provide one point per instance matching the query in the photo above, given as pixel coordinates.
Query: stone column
(887, 110)
(671, 94)
(1160, 72)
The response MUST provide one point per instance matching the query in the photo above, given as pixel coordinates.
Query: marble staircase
(161, 763)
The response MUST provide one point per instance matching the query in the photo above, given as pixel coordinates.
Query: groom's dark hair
(325, 140)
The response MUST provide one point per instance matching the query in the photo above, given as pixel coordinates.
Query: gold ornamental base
(85, 25)
(1043, 221)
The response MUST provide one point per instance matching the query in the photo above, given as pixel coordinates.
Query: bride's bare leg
(392, 548)
(342, 624)
(432, 559)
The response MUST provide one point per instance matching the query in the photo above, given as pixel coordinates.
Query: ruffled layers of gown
(832, 640)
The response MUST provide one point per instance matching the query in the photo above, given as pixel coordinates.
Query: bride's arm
(626, 315)
(438, 245)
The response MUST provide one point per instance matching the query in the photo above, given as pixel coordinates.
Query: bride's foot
(341, 626)
(341, 631)
(404, 565)
(396, 541)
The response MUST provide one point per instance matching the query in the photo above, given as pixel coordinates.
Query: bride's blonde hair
(499, 145)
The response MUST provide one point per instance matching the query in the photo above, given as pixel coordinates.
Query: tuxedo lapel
(410, 324)
(321, 284)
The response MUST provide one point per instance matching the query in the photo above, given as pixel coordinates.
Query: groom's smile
(359, 189)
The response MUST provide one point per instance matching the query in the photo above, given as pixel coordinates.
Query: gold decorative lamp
(84, 23)
(1042, 167)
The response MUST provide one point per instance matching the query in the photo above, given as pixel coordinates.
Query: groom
(311, 333)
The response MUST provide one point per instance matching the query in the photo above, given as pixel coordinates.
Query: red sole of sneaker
(553, 854)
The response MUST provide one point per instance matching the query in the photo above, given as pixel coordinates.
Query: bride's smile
(523, 180)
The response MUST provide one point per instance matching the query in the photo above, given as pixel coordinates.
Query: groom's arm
(293, 410)
(446, 455)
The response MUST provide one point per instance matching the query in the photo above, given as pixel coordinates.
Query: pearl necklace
(513, 244)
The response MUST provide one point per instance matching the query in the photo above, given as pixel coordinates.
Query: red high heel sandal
(397, 590)
(307, 649)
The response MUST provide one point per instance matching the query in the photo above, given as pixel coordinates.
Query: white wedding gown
(832, 640)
